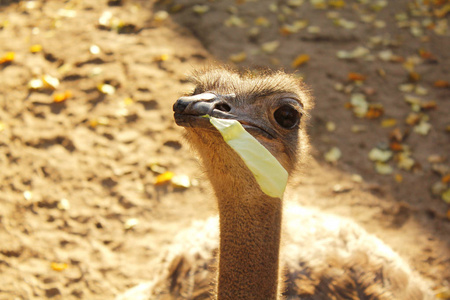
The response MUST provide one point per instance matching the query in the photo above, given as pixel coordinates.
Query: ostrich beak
(189, 110)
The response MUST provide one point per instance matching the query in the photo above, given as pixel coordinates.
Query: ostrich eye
(287, 116)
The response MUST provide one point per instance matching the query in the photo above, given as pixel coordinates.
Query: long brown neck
(250, 224)
(249, 249)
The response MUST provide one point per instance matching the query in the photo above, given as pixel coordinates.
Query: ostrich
(243, 253)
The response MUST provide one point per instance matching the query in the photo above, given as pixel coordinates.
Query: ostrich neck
(250, 224)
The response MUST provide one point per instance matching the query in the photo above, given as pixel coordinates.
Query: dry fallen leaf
(441, 84)
(333, 155)
(35, 84)
(160, 16)
(300, 60)
(331, 126)
(156, 167)
(61, 97)
(8, 57)
(94, 49)
(359, 104)
(162, 57)
(314, 29)
(234, 21)
(405, 162)
(414, 76)
(181, 181)
(412, 119)
(261, 21)
(358, 128)
(436, 158)
(438, 188)
(388, 123)
(106, 89)
(407, 87)
(336, 3)
(352, 76)
(375, 111)
(50, 81)
(380, 155)
(395, 146)
(36, 48)
(99, 121)
(59, 266)
(429, 105)
(383, 168)
(63, 204)
(356, 53)
(422, 128)
(446, 196)
(446, 179)
(164, 178)
(130, 223)
(270, 47)
(28, 195)
(357, 178)
(295, 27)
(200, 9)
(238, 57)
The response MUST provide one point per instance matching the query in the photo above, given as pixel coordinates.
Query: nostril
(222, 107)
(180, 105)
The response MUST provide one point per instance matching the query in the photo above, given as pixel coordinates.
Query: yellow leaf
(130, 223)
(59, 266)
(414, 76)
(446, 196)
(8, 57)
(336, 3)
(300, 60)
(161, 16)
(268, 172)
(60, 97)
(388, 123)
(238, 57)
(128, 101)
(162, 57)
(106, 89)
(261, 21)
(422, 128)
(50, 81)
(164, 178)
(270, 47)
(200, 9)
(333, 155)
(331, 126)
(380, 155)
(398, 178)
(383, 168)
(36, 48)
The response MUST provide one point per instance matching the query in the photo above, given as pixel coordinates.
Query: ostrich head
(270, 106)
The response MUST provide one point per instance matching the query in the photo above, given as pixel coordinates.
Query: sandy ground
(80, 214)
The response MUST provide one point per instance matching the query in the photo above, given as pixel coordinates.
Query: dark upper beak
(188, 109)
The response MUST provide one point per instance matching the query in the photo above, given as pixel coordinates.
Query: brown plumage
(238, 254)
